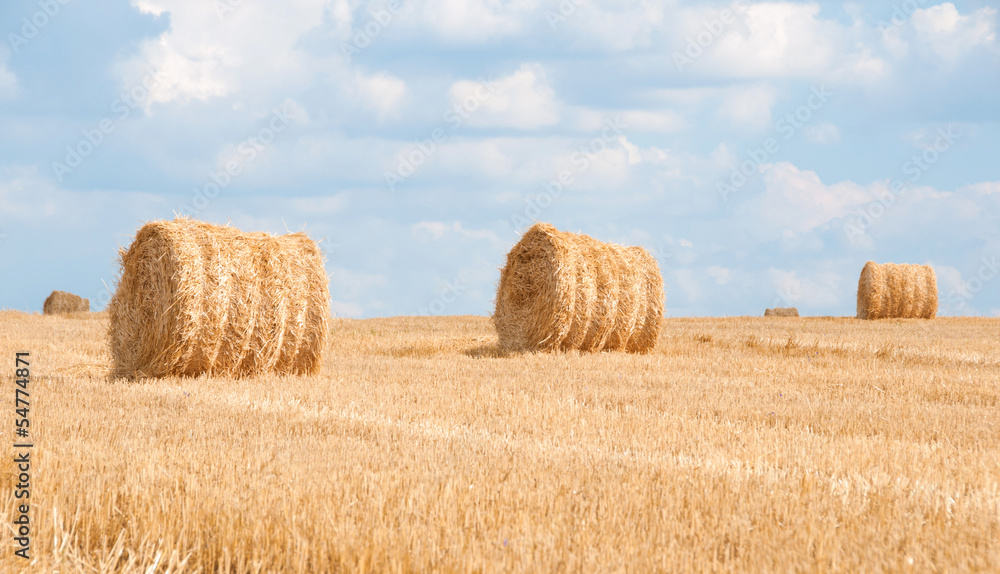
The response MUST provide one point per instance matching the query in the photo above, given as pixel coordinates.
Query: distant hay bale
(197, 298)
(561, 291)
(782, 312)
(63, 302)
(897, 291)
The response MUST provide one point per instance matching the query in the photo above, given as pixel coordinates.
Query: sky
(762, 151)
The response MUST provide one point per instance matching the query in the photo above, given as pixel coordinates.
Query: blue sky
(763, 151)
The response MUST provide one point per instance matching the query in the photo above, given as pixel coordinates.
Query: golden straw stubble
(901, 291)
(563, 291)
(195, 298)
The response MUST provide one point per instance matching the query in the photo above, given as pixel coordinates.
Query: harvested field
(736, 444)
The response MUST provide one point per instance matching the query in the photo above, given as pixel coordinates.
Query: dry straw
(897, 291)
(196, 298)
(782, 312)
(63, 302)
(566, 291)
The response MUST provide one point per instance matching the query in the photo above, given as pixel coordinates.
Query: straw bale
(897, 291)
(63, 302)
(782, 312)
(562, 291)
(195, 298)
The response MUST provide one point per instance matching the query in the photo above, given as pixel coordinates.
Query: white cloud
(634, 156)
(616, 26)
(951, 35)
(346, 309)
(8, 81)
(775, 39)
(426, 231)
(204, 55)
(748, 105)
(523, 100)
(664, 121)
(823, 289)
(798, 200)
(983, 188)
(720, 274)
(382, 93)
(822, 133)
(475, 21)
(253, 54)
(321, 205)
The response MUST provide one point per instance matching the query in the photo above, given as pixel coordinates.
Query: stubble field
(760, 444)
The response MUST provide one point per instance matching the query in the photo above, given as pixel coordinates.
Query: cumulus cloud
(8, 81)
(205, 54)
(475, 21)
(822, 133)
(435, 230)
(522, 100)
(823, 289)
(776, 39)
(797, 199)
(949, 34)
(748, 105)
(382, 93)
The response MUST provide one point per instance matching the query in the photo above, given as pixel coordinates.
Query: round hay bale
(895, 291)
(63, 302)
(782, 312)
(562, 291)
(195, 298)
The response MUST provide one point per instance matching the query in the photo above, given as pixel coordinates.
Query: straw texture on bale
(562, 291)
(782, 312)
(195, 298)
(63, 302)
(897, 291)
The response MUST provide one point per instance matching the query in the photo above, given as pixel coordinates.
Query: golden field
(737, 444)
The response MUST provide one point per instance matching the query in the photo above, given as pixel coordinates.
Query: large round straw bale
(197, 298)
(63, 302)
(566, 291)
(897, 291)
(782, 312)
